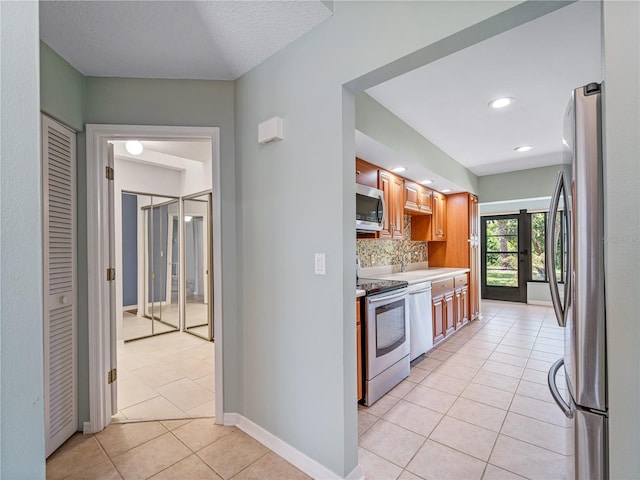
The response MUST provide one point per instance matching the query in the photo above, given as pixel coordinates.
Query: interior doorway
(189, 380)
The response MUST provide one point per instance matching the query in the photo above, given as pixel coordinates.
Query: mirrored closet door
(198, 266)
(151, 256)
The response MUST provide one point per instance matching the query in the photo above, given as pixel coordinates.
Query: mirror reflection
(197, 265)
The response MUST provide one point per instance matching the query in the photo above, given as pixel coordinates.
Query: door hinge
(111, 274)
(109, 173)
(112, 376)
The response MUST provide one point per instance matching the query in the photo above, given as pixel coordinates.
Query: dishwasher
(420, 317)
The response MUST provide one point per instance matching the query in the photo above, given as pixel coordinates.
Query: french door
(505, 257)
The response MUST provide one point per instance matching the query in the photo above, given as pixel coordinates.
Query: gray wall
(21, 391)
(298, 331)
(129, 249)
(531, 183)
(622, 231)
(375, 121)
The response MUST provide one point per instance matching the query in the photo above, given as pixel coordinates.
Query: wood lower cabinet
(393, 188)
(438, 314)
(450, 305)
(358, 349)
(449, 321)
(461, 306)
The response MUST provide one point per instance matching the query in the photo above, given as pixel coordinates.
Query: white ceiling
(175, 155)
(215, 40)
(538, 64)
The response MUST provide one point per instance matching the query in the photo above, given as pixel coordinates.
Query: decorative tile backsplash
(378, 253)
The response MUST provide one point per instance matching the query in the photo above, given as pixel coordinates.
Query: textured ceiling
(215, 40)
(538, 63)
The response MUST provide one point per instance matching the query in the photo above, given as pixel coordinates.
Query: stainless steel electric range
(386, 336)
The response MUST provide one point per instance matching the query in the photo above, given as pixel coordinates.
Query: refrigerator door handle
(560, 310)
(555, 393)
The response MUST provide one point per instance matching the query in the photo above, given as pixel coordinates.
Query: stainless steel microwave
(370, 209)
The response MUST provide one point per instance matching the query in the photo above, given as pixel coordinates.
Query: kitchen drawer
(441, 286)
(460, 280)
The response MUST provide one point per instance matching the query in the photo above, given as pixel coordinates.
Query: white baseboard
(286, 451)
(540, 302)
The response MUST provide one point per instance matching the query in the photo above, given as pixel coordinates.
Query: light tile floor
(475, 407)
(168, 450)
(168, 376)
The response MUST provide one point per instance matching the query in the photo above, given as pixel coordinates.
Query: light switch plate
(320, 264)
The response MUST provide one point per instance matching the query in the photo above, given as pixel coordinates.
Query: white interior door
(59, 289)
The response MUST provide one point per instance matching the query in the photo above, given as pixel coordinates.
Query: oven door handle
(383, 298)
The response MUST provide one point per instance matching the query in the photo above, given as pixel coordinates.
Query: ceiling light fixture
(523, 148)
(501, 102)
(134, 147)
(398, 169)
(426, 182)
(445, 190)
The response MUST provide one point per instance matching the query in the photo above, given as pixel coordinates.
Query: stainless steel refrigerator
(581, 310)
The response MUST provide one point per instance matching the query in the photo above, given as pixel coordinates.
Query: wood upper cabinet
(366, 173)
(393, 188)
(431, 228)
(417, 199)
(439, 217)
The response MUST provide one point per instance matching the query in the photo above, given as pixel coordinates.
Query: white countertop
(420, 275)
(360, 293)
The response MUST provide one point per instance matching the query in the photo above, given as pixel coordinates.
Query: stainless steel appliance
(386, 326)
(582, 310)
(370, 209)
(420, 319)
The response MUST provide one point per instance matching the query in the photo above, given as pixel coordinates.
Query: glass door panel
(197, 227)
(503, 259)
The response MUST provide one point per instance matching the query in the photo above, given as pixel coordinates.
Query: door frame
(509, 294)
(101, 306)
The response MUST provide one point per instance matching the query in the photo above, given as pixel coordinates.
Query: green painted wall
(531, 183)
(61, 89)
(185, 103)
(375, 121)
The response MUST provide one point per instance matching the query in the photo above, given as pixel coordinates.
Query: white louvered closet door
(59, 252)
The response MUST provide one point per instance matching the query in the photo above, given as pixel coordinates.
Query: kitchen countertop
(360, 293)
(412, 276)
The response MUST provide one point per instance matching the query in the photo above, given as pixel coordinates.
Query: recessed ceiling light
(501, 102)
(445, 190)
(134, 147)
(398, 169)
(426, 182)
(523, 148)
